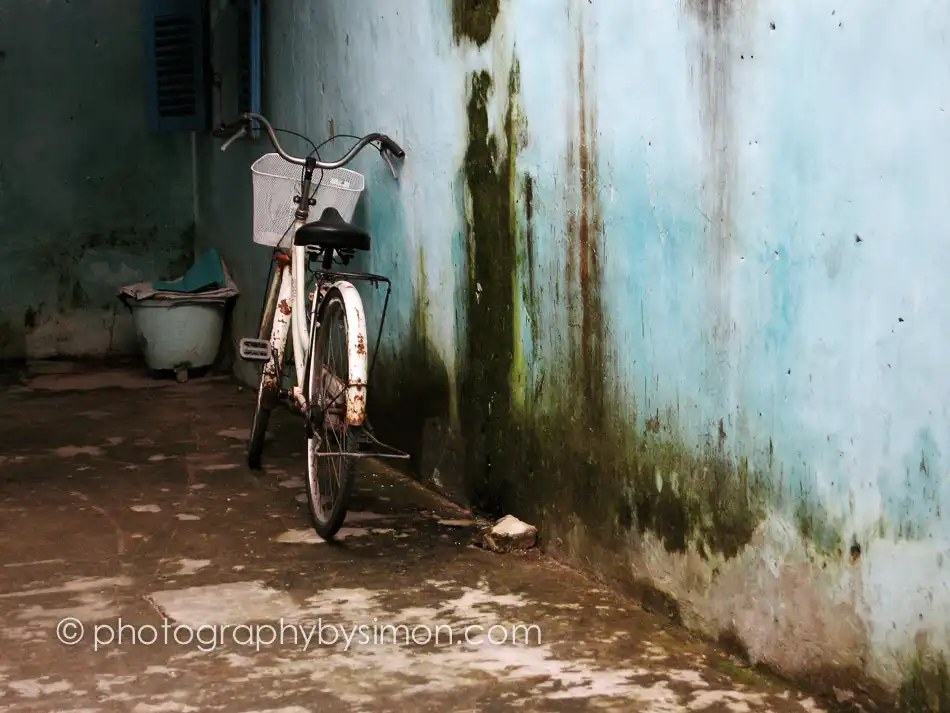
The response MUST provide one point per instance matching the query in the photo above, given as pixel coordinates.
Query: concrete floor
(128, 513)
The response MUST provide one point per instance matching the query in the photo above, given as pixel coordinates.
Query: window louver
(174, 32)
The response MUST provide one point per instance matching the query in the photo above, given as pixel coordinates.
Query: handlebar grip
(392, 146)
(224, 131)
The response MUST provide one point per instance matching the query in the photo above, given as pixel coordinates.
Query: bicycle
(333, 401)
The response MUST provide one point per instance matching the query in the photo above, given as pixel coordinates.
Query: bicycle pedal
(254, 349)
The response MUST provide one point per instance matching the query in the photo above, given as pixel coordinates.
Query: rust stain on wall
(585, 229)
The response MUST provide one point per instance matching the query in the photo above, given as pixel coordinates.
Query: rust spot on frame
(360, 345)
(356, 403)
(284, 307)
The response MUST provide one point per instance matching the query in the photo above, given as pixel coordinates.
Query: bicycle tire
(255, 443)
(327, 521)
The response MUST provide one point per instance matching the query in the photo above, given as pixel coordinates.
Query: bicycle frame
(291, 301)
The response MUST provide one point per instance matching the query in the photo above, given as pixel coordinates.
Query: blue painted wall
(122, 211)
(699, 286)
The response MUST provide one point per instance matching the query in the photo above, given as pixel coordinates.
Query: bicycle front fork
(277, 324)
(281, 260)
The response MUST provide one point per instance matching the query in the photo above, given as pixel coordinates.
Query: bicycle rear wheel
(330, 472)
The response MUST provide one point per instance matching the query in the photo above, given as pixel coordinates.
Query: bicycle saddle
(331, 231)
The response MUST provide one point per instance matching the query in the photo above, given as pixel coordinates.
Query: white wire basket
(276, 182)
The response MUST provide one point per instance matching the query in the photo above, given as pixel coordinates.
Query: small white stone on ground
(510, 533)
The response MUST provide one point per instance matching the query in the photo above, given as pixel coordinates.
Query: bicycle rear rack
(365, 438)
(374, 280)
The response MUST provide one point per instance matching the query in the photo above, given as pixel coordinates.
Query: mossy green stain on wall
(520, 215)
(474, 19)
(816, 527)
(554, 465)
(485, 406)
(926, 686)
(705, 499)
(529, 288)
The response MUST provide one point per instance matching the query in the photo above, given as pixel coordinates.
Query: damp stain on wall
(485, 403)
(578, 457)
(925, 687)
(411, 396)
(474, 19)
(712, 68)
(585, 231)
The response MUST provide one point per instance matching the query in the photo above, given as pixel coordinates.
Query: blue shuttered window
(175, 65)
(249, 58)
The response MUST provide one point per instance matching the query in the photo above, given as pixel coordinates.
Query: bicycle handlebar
(235, 129)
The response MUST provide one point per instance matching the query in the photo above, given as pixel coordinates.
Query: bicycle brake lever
(386, 157)
(226, 144)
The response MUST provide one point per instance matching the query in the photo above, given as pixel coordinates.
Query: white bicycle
(329, 340)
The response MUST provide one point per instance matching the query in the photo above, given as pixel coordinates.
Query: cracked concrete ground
(183, 582)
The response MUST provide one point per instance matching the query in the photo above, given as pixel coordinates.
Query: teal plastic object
(178, 335)
(205, 274)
